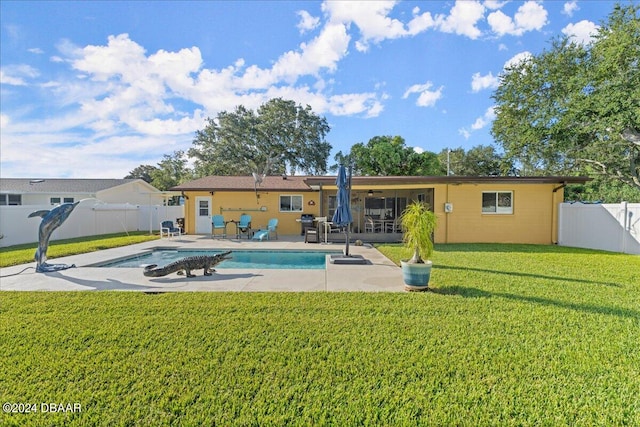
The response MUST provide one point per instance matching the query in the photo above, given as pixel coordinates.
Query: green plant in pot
(418, 225)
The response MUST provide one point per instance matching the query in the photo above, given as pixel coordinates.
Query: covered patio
(376, 207)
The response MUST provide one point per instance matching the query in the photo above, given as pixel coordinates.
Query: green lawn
(510, 335)
(22, 254)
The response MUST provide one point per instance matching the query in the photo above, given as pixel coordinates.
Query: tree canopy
(576, 108)
(279, 137)
(172, 170)
(481, 160)
(142, 172)
(387, 155)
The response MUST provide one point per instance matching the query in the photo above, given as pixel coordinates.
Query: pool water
(243, 259)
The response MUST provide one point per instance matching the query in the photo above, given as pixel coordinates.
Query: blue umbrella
(342, 216)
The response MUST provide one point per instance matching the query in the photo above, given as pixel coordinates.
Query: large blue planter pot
(416, 276)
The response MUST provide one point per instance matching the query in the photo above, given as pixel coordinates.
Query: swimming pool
(243, 259)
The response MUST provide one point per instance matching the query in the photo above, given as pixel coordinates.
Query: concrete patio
(378, 275)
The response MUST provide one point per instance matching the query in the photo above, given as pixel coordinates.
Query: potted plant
(418, 225)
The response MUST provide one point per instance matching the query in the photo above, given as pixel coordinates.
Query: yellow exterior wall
(534, 217)
(231, 204)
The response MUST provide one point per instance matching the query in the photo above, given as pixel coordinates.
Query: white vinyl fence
(87, 219)
(610, 227)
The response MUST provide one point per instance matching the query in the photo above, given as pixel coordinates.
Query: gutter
(564, 184)
(555, 237)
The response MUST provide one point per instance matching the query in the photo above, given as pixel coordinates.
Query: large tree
(481, 160)
(142, 172)
(172, 170)
(387, 156)
(576, 108)
(280, 137)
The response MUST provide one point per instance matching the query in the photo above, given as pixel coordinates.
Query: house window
(10, 199)
(203, 208)
(497, 202)
(54, 200)
(68, 200)
(290, 203)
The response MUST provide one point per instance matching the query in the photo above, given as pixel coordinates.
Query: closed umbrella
(342, 216)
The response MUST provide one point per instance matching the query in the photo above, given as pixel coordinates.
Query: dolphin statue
(51, 219)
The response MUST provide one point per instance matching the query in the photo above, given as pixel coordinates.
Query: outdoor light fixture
(370, 193)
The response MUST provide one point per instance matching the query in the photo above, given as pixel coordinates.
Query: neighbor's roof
(243, 183)
(305, 183)
(58, 185)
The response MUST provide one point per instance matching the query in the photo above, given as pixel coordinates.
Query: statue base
(48, 268)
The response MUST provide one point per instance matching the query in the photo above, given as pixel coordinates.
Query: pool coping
(378, 275)
(107, 263)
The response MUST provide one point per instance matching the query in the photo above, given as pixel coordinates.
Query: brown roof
(453, 179)
(304, 183)
(243, 183)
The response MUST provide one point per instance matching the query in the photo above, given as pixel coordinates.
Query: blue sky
(94, 89)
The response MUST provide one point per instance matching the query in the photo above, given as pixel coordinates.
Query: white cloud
(464, 132)
(420, 22)
(582, 32)
(494, 4)
(488, 81)
(370, 17)
(36, 50)
(517, 58)
(323, 52)
(485, 119)
(124, 106)
(530, 16)
(351, 104)
(480, 123)
(60, 154)
(17, 75)
(570, 7)
(373, 21)
(307, 22)
(426, 97)
(462, 19)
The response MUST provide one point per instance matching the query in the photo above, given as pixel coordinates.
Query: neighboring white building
(25, 191)
(109, 206)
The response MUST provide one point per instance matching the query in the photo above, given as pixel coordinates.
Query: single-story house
(469, 209)
(49, 191)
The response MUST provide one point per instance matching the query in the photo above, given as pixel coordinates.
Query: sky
(93, 89)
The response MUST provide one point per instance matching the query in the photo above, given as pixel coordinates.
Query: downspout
(554, 220)
(446, 216)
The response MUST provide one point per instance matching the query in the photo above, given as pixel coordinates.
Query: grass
(22, 254)
(510, 335)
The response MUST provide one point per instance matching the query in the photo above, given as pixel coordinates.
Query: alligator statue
(187, 264)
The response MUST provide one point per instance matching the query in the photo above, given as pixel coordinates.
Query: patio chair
(167, 227)
(311, 235)
(326, 227)
(393, 227)
(244, 225)
(265, 233)
(371, 227)
(218, 223)
(272, 227)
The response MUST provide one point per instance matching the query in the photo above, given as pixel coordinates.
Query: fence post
(625, 209)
